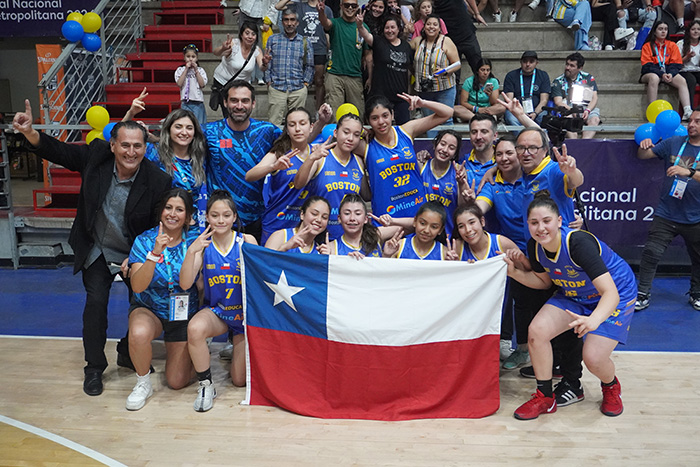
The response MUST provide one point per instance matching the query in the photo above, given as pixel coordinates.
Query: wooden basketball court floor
(46, 419)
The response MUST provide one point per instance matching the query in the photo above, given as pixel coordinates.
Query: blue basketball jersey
(340, 246)
(397, 186)
(548, 176)
(574, 283)
(333, 181)
(494, 247)
(231, 155)
(442, 188)
(221, 270)
(289, 233)
(282, 210)
(408, 251)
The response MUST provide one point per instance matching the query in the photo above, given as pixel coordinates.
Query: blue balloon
(91, 42)
(667, 122)
(681, 131)
(328, 130)
(72, 30)
(318, 140)
(107, 131)
(646, 131)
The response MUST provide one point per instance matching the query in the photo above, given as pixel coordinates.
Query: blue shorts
(616, 327)
(229, 317)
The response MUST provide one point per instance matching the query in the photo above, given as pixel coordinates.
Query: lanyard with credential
(532, 84)
(661, 58)
(680, 153)
(168, 263)
(578, 79)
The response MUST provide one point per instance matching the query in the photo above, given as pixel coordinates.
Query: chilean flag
(379, 339)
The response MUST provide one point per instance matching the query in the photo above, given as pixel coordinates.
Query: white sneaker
(142, 391)
(505, 349)
(623, 33)
(608, 47)
(686, 114)
(534, 4)
(513, 16)
(206, 393)
(497, 17)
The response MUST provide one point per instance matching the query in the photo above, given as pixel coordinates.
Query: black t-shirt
(391, 66)
(583, 249)
(457, 19)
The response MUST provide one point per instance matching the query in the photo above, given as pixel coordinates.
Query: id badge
(179, 306)
(527, 106)
(678, 188)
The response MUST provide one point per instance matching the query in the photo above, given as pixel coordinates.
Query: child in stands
(192, 78)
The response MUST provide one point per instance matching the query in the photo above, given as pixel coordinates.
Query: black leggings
(692, 78)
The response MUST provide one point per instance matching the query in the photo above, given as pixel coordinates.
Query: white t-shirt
(234, 62)
(694, 63)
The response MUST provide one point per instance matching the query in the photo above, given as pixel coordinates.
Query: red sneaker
(612, 400)
(536, 406)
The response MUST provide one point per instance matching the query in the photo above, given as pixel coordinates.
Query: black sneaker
(529, 372)
(566, 394)
(642, 302)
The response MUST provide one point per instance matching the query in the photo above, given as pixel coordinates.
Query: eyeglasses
(529, 149)
(350, 6)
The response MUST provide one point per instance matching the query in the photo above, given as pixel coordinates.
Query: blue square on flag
(293, 298)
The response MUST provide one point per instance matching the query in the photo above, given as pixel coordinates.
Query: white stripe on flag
(400, 302)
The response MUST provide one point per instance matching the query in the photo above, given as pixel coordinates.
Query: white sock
(687, 109)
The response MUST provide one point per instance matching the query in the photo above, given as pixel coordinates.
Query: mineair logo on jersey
(390, 209)
(280, 214)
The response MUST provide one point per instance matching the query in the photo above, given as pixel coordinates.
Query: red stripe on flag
(326, 379)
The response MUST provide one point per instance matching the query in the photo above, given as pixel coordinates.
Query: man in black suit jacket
(118, 195)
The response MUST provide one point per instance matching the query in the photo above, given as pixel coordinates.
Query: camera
(426, 85)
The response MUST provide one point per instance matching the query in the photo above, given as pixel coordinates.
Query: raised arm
(326, 23)
(419, 126)
(192, 263)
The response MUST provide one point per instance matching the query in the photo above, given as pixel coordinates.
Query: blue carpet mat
(49, 302)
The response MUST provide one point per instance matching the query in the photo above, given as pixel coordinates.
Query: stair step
(169, 31)
(189, 17)
(171, 45)
(191, 4)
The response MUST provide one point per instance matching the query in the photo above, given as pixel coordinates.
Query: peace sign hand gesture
(391, 247)
(203, 241)
(567, 163)
(469, 193)
(451, 253)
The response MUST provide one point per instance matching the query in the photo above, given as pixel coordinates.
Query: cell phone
(488, 87)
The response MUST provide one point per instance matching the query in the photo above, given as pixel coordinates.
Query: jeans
(512, 121)
(198, 109)
(581, 13)
(661, 233)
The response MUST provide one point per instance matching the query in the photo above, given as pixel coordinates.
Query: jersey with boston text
(221, 271)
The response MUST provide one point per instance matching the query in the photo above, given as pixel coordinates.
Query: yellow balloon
(94, 134)
(656, 107)
(75, 16)
(91, 22)
(97, 117)
(346, 109)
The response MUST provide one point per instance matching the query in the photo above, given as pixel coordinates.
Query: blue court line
(49, 302)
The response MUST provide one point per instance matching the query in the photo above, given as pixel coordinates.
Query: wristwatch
(692, 172)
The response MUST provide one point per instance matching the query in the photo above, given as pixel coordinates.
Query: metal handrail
(85, 74)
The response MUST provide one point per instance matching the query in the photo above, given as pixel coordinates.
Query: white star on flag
(283, 291)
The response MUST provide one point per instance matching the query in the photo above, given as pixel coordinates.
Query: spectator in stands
(530, 85)
(576, 87)
(436, 60)
(608, 13)
(575, 15)
(461, 29)
(423, 9)
(290, 69)
(495, 10)
(236, 145)
(255, 10)
(480, 94)
(375, 12)
(641, 11)
(393, 64)
(678, 212)
(344, 77)
(513, 17)
(118, 195)
(661, 63)
(238, 60)
(405, 15)
(192, 78)
(690, 53)
(682, 10)
(310, 27)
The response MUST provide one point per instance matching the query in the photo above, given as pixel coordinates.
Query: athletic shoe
(517, 359)
(566, 394)
(142, 391)
(612, 400)
(536, 406)
(686, 114)
(227, 352)
(609, 47)
(206, 393)
(623, 33)
(642, 302)
(506, 349)
(533, 4)
(513, 16)
(497, 17)
(575, 25)
(693, 300)
(529, 372)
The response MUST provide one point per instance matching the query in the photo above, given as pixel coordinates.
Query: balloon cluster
(79, 27)
(664, 123)
(328, 130)
(98, 118)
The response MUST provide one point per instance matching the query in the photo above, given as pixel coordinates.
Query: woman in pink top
(422, 10)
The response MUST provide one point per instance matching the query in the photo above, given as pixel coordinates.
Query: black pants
(608, 15)
(469, 48)
(692, 78)
(97, 280)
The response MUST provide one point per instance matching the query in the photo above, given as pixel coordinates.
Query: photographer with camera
(530, 86)
(577, 88)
